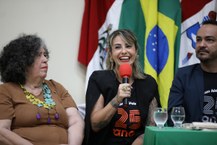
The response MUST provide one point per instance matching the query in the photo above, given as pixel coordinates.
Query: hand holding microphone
(125, 72)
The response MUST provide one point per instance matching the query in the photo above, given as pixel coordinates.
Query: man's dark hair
(212, 22)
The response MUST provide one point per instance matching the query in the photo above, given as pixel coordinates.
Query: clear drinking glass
(178, 116)
(160, 117)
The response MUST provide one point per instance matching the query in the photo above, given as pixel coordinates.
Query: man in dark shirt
(195, 87)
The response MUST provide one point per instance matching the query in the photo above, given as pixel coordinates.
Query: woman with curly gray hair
(34, 110)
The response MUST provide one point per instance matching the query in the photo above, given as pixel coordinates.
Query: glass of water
(160, 117)
(178, 116)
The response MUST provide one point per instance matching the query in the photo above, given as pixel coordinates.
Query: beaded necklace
(48, 102)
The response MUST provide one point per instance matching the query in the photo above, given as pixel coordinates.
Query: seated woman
(34, 110)
(108, 120)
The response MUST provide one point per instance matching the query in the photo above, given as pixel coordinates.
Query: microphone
(125, 71)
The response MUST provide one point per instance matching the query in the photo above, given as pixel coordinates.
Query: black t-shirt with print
(126, 123)
(106, 84)
(210, 97)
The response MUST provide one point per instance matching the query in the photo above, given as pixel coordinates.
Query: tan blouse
(15, 106)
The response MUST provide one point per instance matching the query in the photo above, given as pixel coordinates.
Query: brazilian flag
(157, 26)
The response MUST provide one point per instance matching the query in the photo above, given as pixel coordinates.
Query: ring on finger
(124, 88)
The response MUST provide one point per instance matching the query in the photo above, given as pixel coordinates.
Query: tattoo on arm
(115, 102)
(152, 106)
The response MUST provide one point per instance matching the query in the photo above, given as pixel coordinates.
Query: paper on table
(205, 125)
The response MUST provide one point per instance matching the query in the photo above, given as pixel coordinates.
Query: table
(176, 136)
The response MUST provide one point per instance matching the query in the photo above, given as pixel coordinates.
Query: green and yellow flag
(163, 20)
(156, 24)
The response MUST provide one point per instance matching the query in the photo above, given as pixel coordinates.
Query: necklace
(48, 102)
